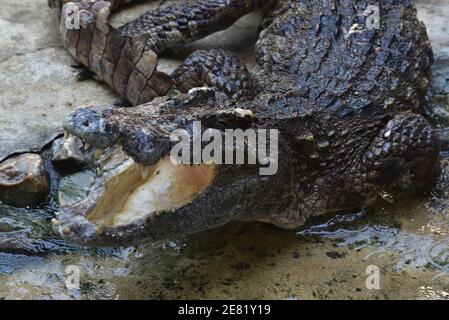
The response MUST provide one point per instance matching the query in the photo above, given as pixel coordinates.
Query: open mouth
(141, 190)
(126, 192)
(137, 191)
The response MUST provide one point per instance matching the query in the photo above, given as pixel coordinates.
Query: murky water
(327, 259)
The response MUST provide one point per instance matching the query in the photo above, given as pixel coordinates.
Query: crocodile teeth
(243, 113)
(98, 153)
(66, 230)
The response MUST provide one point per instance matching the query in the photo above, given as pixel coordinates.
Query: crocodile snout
(89, 125)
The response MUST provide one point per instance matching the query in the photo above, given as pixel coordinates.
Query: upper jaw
(90, 125)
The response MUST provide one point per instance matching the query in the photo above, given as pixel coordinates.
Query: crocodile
(346, 97)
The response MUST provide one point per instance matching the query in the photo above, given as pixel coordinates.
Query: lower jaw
(136, 191)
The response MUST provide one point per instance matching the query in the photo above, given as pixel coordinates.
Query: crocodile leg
(403, 156)
(114, 58)
(213, 68)
(126, 58)
(182, 23)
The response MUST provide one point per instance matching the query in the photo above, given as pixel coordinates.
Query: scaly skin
(126, 58)
(346, 100)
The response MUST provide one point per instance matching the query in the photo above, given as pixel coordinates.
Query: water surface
(326, 259)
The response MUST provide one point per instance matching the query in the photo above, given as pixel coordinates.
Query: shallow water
(327, 259)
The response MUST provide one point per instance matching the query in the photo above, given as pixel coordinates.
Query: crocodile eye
(86, 123)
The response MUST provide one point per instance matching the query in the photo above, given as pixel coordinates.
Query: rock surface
(68, 152)
(23, 180)
(435, 14)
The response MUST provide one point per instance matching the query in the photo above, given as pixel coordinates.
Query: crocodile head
(140, 193)
(128, 200)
